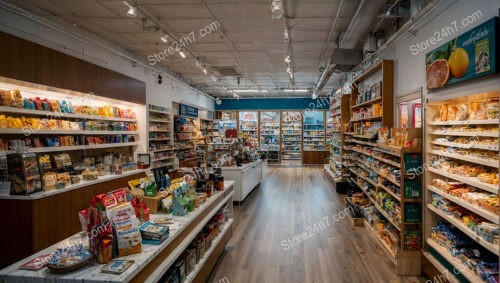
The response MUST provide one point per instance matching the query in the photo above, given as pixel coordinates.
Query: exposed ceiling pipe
(353, 20)
(406, 28)
(87, 40)
(383, 18)
(334, 24)
(330, 68)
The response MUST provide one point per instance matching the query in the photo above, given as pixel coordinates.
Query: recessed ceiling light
(164, 37)
(246, 90)
(132, 9)
(182, 54)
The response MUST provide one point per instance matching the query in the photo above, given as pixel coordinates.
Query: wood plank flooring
(288, 202)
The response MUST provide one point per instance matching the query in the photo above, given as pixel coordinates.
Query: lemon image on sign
(458, 62)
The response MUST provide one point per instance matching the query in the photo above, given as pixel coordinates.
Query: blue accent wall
(273, 104)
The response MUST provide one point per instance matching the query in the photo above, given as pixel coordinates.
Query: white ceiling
(248, 38)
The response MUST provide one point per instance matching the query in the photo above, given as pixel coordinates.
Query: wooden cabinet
(17, 58)
(314, 157)
(26, 61)
(34, 224)
(51, 71)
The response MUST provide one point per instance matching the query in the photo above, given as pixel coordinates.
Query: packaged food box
(153, 233)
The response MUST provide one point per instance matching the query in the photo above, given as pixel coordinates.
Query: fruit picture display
(465, 57)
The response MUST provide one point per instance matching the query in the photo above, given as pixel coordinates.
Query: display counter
(246, 178)
(153, 261)
(44, 218)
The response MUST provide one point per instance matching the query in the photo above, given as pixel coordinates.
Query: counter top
(91, 272)
(43, 194)
(242, 167)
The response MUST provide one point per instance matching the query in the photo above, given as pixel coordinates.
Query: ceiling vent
(228, 71)
(345, 60)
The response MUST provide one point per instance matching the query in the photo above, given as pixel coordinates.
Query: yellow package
(17, 123)
(3, 121)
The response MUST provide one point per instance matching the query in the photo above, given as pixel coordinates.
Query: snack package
(463, 113)
(128, 236)
(18, 99)
(6, 98)
(452, 112)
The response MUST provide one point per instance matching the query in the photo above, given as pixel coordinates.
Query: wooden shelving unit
(340, 115)
(462, 143)
(248, 127)
(185, 137)
(160, 136)
(270, 135)
(291, 135)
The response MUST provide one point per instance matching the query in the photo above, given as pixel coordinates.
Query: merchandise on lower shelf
(249, 128)
(462, 183)
(270, 136)
(314, 131)
(291, 135)
(160, 136)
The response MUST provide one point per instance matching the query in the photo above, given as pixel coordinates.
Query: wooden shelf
(460, 225)
(467, 146)
(382, 243)
(48, 114)
(490, 216)
(81, 147)
(65, 132)
(378, 99)
(386, 215)
(373, 118)
(476, 160)
(466, 134)
(467, 273)
(441, 268)
(468, 122)
(473, 181)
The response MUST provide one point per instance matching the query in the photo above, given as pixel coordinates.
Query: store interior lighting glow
(205, 71)
(289, 70)
(182, 54)
(132, 9)
(314, 96)
(288, 59)
(246, 90)
(295, 90)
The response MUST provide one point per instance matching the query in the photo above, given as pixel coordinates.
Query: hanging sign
(188, 111)
(465, 57)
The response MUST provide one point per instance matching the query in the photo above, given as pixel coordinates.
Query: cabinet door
(17, 58)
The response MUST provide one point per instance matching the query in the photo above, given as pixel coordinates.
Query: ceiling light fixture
(198, 63)
(182, 54)
(277, 9)
(132, 9)
(205, 70)
(314, 96)
(164, 37)
(289, 70)
(288, 59)
(263, 90)
(246, 90)
(213, 77)
(295, 90)
(286, 38)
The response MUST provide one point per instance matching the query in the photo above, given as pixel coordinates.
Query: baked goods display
(477, 110)
(466, 129)
(466, 169)
(479, 198)
(487, 155)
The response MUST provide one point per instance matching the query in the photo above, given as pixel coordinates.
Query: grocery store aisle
(289, 202)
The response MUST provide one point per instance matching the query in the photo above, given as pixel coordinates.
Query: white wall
(410, 69)
(163, 95)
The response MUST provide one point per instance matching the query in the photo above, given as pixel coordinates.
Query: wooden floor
(289, 201)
